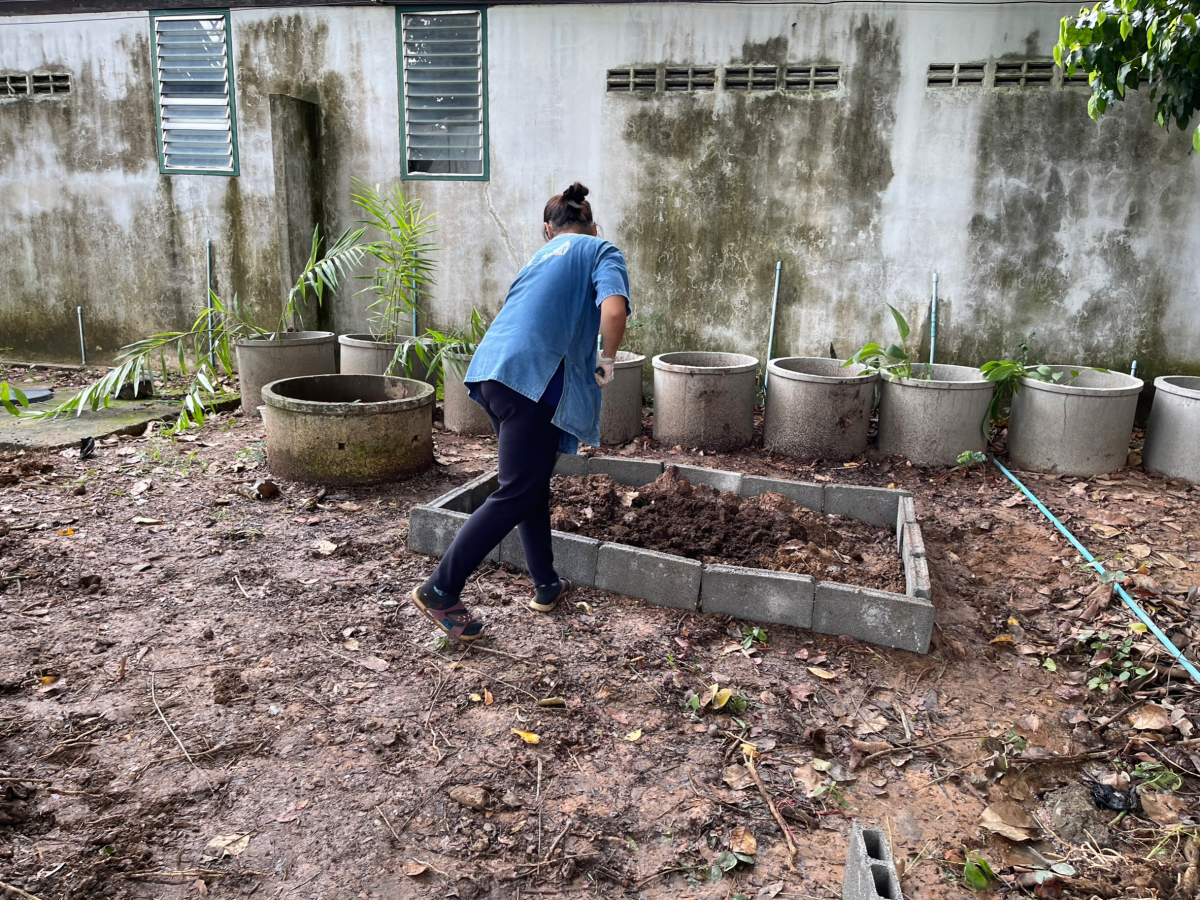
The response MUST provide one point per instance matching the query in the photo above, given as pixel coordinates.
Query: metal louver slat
(194, 93)
(443, 92)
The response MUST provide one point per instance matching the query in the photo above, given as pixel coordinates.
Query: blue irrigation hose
(1129, 601)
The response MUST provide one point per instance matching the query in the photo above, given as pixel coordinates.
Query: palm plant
(205, 351)
(404, 256)
(436, 348)
(10, 397)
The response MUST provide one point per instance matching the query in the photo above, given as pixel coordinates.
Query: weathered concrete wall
(89, 221)
(1035, 218)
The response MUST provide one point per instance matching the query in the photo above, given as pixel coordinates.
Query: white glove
(604, 369)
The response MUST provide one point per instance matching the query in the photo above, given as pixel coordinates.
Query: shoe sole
(568, 587)
(430, 614)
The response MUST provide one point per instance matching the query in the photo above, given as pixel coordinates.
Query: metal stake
(82, 343)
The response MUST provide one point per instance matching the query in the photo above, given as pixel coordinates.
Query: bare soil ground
(701, 522)
(207, 694)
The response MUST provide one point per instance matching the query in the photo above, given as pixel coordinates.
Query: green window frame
(195, 105)
(453, 139)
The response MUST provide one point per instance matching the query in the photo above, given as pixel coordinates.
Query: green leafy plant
(977, 873)
(894, 360)
(1123, 43)
(969, 458)
(11, 397)
(403, 253)
(1007, 373)
(1157, 777)
(204, 353)
(751, 635)
(1113, 665)
(437, 349)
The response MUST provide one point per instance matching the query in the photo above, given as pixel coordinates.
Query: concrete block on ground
(431, 531)
(758, 595)
(876, 506)
(718, 478)
(631, 472)
(802, 493)
(568, 465)
(911, 539)
(466, 498)
(574, 555)
(870, 872)
(660, 578)
(877, 617)
(906, 511)
(916, 576)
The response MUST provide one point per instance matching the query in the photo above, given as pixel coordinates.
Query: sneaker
(546, 596)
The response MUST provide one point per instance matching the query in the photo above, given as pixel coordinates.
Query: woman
(538, 375)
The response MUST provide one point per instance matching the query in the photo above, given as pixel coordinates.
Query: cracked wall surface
(1035, 218)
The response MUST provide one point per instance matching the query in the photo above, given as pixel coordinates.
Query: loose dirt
(334, 749)
(701, 522)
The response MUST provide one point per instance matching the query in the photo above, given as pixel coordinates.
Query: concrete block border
(870, 871)
(903, 621)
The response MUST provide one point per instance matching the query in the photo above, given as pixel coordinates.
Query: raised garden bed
(822, 593)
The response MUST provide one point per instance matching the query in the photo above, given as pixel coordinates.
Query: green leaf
(973, 876)
(1065, 869)
(901, 323)
(727, 861)
(1049, 665)
(1058, 55)
(1196, 139)
(1126, 28)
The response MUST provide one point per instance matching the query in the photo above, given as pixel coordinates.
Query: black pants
(528, 448)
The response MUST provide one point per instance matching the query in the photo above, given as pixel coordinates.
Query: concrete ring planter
(704, 400)
(816, 409)
(1173, 434)
(293, 354)
(348, 429)
(364, 355)
(931, 421)
(460, 413)
(621, 400)
(1082, 428)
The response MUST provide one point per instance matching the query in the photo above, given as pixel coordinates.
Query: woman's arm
(612, 324)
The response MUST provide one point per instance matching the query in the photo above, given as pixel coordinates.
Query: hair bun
(575, 193)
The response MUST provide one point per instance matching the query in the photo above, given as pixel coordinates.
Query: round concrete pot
(816, 409)
(460, 413)
(1082, 428)
(704, 400)
(348, 429)
(364, 355)
(293, 354)
(1173, 434)
(931, 421)
(621, 400)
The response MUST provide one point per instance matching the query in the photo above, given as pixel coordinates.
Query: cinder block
(758, 595)
(906, 511)
(876, 506)
(574, 556)
(916, 576)
(467, 498)
(877, 617)
(810, 496)
(718, 478)
(631, 472)
(912, 541)
(431, 531)
(659, 578)
(568, 465)
(870, 872)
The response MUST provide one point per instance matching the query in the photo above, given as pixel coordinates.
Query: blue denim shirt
(550, 316)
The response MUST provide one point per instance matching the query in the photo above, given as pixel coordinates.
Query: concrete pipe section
(460, 413)
(931, 421)
(704, 400)
(348, 429)
(1173, 434)
(621, 400)
(363, 355)
(1080, 427)
(293, 354)
(816, 409)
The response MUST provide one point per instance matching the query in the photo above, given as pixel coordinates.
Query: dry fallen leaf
(821, 673)
(142, 520)
(1109, 517)
(325, 548)
(1106, 530)
(1151, 717)
(375, 664)
(742, 841)
(228, 845)
(1173, 561)
(527, 736)
(810, 779)
(488, 699)
(1010, 820)
(1165, 809)
(737, 776)
(634, 735)
(139, 487)
(800, 693)
(201, 887)
(1139, 551)
(860, 750)
(414, 869)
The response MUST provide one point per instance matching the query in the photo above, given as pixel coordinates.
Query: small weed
(969, 458)
(977, 873)
(1157, 777)
(751, 635)
(1112, 665)
(254, 453)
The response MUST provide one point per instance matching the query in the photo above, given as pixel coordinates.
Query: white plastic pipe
(771, 333)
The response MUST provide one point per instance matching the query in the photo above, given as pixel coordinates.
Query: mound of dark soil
(700, 522)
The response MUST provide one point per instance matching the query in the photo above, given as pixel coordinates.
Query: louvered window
(751, 78)
(193, 76)
(948, 75)
(812, 78)
(682, 78)
(1029, 74)
(445, 94)
(14, 85)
